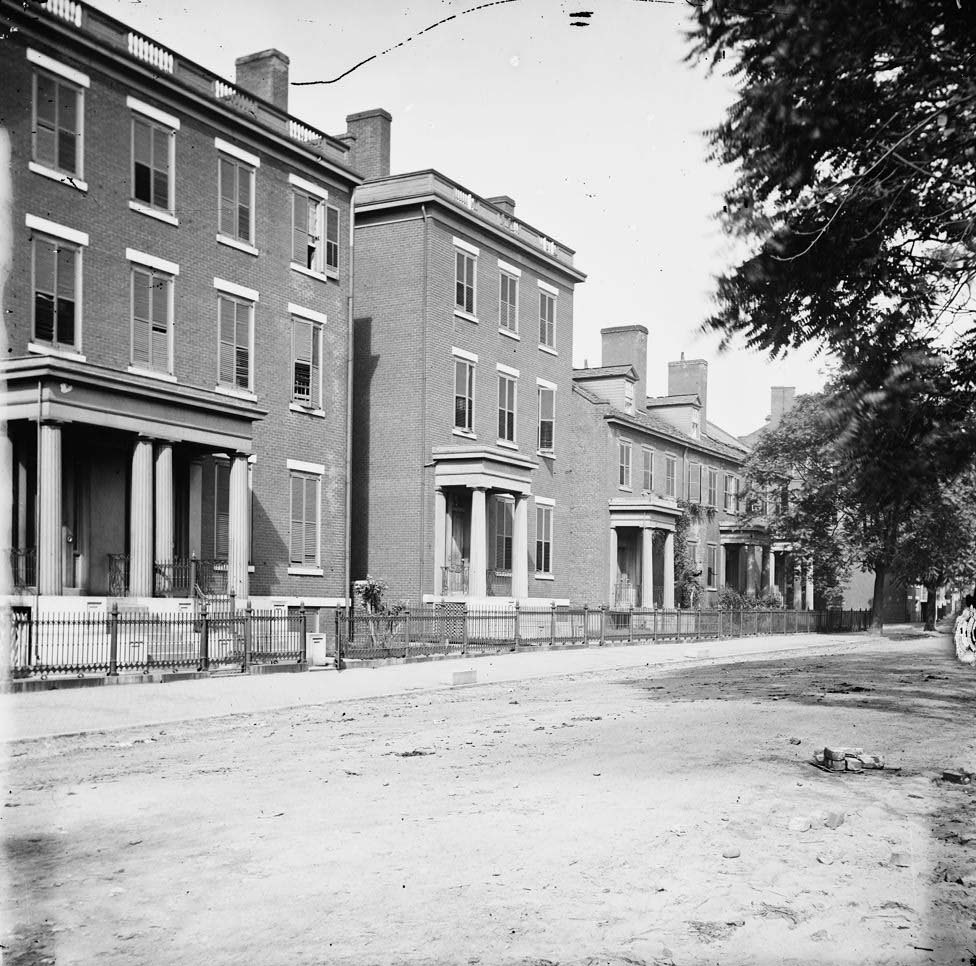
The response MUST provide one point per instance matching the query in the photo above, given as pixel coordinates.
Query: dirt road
(653, 816)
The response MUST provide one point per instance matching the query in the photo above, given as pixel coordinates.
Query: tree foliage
(854, 141)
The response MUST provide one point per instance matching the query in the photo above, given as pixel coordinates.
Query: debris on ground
(847, 759)
(958, 776)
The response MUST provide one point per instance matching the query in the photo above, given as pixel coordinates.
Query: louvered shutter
(228, 196)
(160, 324)
(301, 348)
(332, 237)
(297, 519)
(242, 350)
(299, 240)
(65, 333)
(225, 309)
(140, 317)
(315, 368)
(67, 128)
(221, 511)
(161, 142)
(311, 522)
(142, 160)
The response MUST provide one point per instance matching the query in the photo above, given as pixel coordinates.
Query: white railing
(65, 9)
(227, 92)
(148, 51)
(548, 246)
(464, 198)
(300, 132)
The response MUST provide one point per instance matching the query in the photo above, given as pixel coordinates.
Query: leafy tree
(687, 573)
(939, 545)
(854, 141)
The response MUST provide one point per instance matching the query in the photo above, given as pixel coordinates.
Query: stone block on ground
(838, 754)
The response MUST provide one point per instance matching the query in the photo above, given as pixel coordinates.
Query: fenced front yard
(455, 628)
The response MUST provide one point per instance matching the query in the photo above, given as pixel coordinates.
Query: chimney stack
(780, 402)
(689, 377)
(626, 345)
(368, 137)
(265, 75)
(504, 202)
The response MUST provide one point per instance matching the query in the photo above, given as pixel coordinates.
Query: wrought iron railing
(454, 579)
(118, 574)
(23, 566)
(626, 594)
(499, 583)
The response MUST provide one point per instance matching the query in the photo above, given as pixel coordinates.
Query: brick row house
(176, 312)
(242, 355)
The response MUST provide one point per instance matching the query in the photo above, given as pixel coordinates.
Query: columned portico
(239, 535)
(141, 520)
(520, 551)
(49, 540)
(164, 510)
(478, 580)
(668, 570)
(641, 566)
(745, 559)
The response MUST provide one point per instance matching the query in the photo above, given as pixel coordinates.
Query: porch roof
(483, 467)
(731, 533)
(657, 514)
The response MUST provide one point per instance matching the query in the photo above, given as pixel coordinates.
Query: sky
(597, 132)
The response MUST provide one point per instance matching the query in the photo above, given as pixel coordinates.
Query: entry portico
(471, 484)
(642, 546)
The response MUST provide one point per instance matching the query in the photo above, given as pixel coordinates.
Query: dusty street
(647, 816)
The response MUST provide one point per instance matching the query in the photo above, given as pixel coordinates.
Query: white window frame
(465, 254)
(509, 377)
(236, 298)
(503, 526)
(41, 228)
(544, 509)
(547, 296)
(691, 474)
(711, 572)
(712, 478)
(468, 363)
(318, 263)
(156, 120)
(298, 469)
(647, 469)
(671, 476)
(316, 321)
(508, 311)
(543, 386)
(69, 79)
(625, 455)
(628, 395)
(161, 268)
(243, 160)
(731, 487)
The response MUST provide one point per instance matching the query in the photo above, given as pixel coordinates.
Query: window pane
(43, 317)
(44, 259)
(547, 401)
(297, 519)
(142, 142)
(161, 189)
(66, 273)
(44, 149)
(142, 188)
(67, 151)
(161, 140)
(228, 180)
(140, 295)
(46, 106)
(244, 222)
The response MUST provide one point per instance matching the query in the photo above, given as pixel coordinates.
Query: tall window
(152, 318)
(506, 407)
(508, 302)
(713, 487)
(306, 354)
(464, 395)
(464, 281)
(543, 539)
(670, 476)
(629, 396)
(504, 523)
(547, 319)
(221, 510)
(307, 247)
(647, 480)
(236, 199)
(623, 463)
(235, 319)
(694, 482)
(547, 419)
(152, 163)
(57, 133)
(57, 291)
(304, 542)
(731, 493)
(712, 575)
(332, 237)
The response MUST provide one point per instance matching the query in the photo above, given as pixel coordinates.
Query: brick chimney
(689, 377)
(626, 345)
(368, 137)
(265, 75)
(781, 399)
(504, 202)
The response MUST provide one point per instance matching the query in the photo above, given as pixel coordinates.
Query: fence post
(698, 623)
(603, 624)
(464, 627)
(720, 622)
(552, 623)
(406, 634)
(193, 575)
(336, 616)
(518, 639)
(248, 618)
(303, 630)
(113, 641)
(586, 638)
(204, 638)
(653, 623)
(630, 625)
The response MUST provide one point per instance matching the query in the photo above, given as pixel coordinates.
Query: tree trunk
(931, 591)
(877, 603)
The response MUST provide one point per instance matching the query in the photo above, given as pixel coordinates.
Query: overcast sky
(597, 132)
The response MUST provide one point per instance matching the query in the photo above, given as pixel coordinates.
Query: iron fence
(454, 628)
(135, 639)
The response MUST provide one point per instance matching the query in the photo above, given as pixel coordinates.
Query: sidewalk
(49, 714)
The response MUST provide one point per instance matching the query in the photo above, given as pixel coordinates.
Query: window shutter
(315, 387)
(226, 323)
(242, 362)
(221, 510)
(299, 242)
(297, 519)
(228, 196)
(160, 324)
(311, 521)
(332, 237)
(140, 317)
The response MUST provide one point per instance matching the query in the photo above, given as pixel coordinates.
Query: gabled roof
(721, 436)
(661, 402)
(606, 372)
(661, 427)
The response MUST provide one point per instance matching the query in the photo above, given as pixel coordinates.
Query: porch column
(751, 576)
(141, 520)
(49, 540)
(647, 567)
(440, 539)
(810, 587)
(21, 499)
(6, 512)
(164, 508)
(612, 596)
(478, 576)
(520, 548)
(239, 527)
(669, 569)
(721, 567)
(195, 510)
(797, 586)
(769, 567)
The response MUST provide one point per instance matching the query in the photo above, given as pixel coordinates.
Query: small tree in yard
(939, 545)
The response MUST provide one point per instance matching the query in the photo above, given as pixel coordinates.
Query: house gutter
(347, 549)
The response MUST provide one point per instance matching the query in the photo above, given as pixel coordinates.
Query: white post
(520, 548)
(611, 597)
(647, 567)
(478, 576)
(751, 576)
(141, 520)
(49, 540)
(164, 505)
(669, 569)
(239, 529)
(440, 539)
(809, 601)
